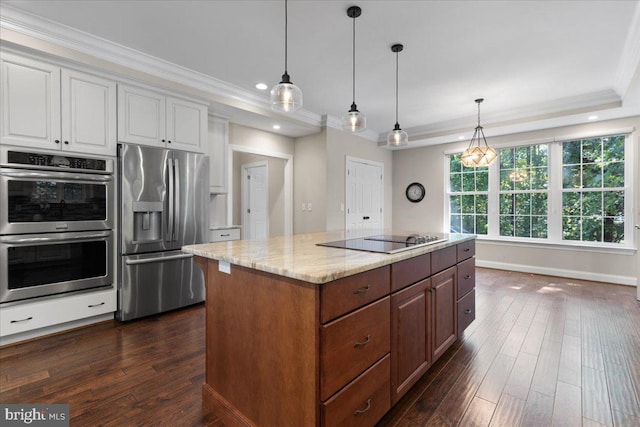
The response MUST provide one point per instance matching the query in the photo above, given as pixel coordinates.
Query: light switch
(304, 207)
(309, 206)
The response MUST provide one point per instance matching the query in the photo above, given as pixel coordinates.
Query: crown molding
(70, 38)
(630, 58)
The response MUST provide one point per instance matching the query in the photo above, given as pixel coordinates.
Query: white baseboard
(572, 274)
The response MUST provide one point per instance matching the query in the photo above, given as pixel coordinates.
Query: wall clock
(415, 192)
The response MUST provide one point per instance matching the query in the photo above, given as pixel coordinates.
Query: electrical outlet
(304, 207)
(309, 206)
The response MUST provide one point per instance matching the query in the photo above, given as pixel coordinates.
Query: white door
(363, 192)
(255, 197)
(30, 103)
(88, 113)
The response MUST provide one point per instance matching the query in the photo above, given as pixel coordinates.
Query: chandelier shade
(354, 120)
(477, 155)
(285, 96)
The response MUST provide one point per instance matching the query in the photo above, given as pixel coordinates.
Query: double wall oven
(56, 223)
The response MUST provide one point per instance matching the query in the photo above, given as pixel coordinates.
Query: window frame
(555, 192)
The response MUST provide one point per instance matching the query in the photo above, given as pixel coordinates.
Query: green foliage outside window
(524, 179)
(468, 200)
(593, 189)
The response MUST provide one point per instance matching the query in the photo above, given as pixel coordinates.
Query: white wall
(426, 165)
(310, 183)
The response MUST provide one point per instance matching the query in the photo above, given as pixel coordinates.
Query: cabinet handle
(467, 277)
(169, 141)
(467, 311)
(366, 217)
(95, 305)
(164, 140)
(362, 344)
(225, 235)
(57, 141)
(22, 320)
(66, 142)
(466, 249)
(362, 411)
(362, 290)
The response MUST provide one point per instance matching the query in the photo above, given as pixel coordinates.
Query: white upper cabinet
(217, 150)
(150, 118)
(48, 107)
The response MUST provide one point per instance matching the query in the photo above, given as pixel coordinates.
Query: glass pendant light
(354, 121)
(478, 155)
(285, 96)
(397, 137)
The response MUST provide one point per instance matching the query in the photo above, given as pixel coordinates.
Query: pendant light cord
(354, 59)
(396, 88)
(285, 36)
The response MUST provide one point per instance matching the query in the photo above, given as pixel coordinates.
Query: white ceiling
(532, 61)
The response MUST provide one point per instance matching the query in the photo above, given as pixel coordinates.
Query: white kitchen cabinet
(151, 118)
(49, 107)
(217, 150)
(224, 234)
(30, 316)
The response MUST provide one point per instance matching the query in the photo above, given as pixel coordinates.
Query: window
(524, 179)
(468, 197)
(593, 189)
(570, 191)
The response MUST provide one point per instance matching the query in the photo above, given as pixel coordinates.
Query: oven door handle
(157, 259)
(56, 175)
(68, 237)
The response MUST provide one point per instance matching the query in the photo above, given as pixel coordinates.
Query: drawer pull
(467, 311)
(362, 290)
(362, 411)
(467, 277)
(95, 305)
(22, 320)
(363, 343)
(225, 235)
(466, 249)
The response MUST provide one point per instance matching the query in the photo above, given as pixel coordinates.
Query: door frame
(349, 159)
(244, 194)
(288, 181)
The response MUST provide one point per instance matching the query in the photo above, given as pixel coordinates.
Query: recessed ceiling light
(261, 86)
(276, 127)
(593, 117)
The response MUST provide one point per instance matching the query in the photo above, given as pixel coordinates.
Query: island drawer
(410, 271)
(466, 276)
(344, 295)
(443, 259)
(351, 344)
(466, 249)
(363, 402)
(466, 311)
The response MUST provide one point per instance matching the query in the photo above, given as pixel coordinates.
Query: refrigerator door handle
(176, 206)
(171, 202)
(158, 259)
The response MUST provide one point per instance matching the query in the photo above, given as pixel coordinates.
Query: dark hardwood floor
(543, 351)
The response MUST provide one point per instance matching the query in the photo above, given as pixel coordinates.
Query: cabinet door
(444, 311)
(186, 125)
(30, 103)
(88, 113)
(410, 337)
(217, 147)
(141, 116)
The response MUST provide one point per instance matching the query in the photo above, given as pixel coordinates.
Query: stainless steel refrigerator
(164, 204)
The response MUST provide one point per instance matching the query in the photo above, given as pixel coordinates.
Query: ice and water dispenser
(147, 222)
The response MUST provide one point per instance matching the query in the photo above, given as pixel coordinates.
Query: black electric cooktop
(386, 243)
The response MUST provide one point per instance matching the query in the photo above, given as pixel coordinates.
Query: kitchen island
(306, 335)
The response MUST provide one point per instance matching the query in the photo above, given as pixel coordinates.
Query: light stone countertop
(298, 257)
(224, 227)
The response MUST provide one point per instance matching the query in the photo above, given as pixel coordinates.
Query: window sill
(577, 247)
